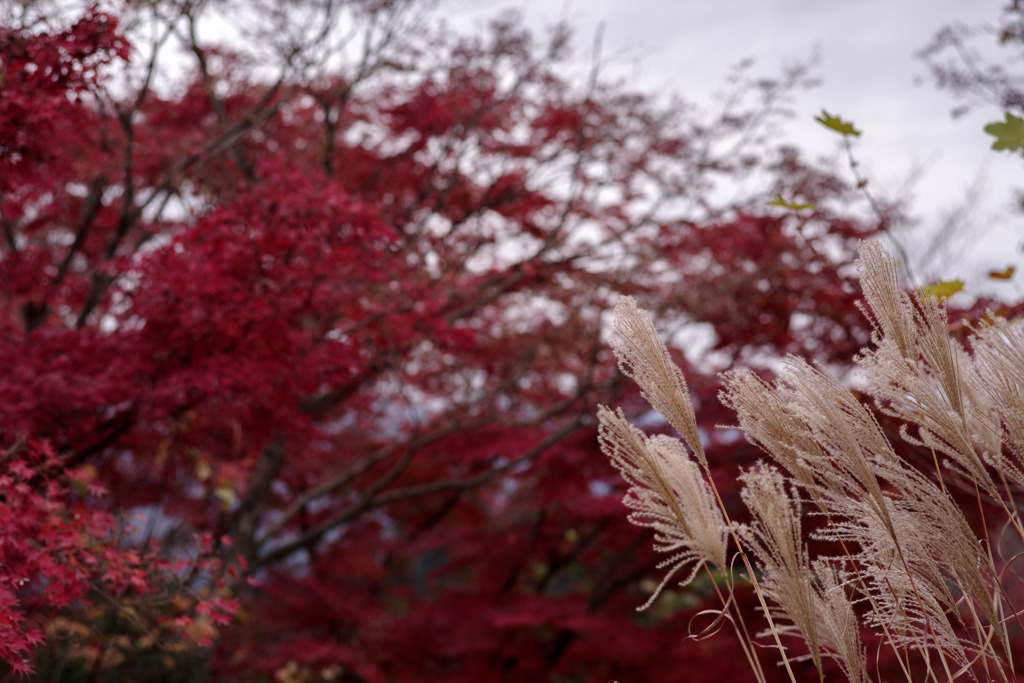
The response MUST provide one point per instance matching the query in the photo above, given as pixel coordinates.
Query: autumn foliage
(304, 320)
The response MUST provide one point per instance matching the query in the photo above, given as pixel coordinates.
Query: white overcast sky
(869, 74)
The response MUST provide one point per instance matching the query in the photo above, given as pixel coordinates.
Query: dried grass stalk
(912, 568)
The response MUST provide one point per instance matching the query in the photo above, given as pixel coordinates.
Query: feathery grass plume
(767, 424)
(888, 308)
(668, 494)
(839, 628)
(891, 512)
(999, 357)
(861, 510)
(903, 579)
(915, 367)
(876, 503)
(983, 407)
(644, 359)
(843, 430)
(911, 569)
(776, 539)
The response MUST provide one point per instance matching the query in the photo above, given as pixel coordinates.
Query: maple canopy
(304, 310)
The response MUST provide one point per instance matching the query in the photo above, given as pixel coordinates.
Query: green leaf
(837, 124)
(942, 290)
(1009, 134)
(792, 206)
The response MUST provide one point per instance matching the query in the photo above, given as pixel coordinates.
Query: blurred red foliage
(332, 317)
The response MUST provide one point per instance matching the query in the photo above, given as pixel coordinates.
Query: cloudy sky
(869, 74)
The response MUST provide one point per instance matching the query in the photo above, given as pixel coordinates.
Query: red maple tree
(324, 306)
